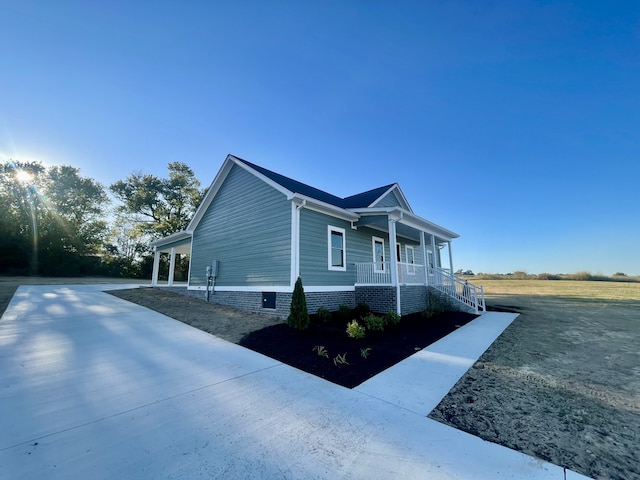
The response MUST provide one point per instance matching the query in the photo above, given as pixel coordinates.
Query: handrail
(457, 288)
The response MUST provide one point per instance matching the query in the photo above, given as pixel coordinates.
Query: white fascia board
(174, 237)
(395, 186)
(268, 181)
(410, 219)
(323, 207)
(211, 192)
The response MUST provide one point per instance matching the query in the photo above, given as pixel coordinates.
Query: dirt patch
(562, 383)
(219, 320)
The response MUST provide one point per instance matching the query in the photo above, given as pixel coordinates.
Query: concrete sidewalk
(92, 386)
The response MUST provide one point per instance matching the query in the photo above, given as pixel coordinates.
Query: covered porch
(399, 224)
(173, 245)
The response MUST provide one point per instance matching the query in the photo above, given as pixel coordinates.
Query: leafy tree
(160, 206)
(51, 219)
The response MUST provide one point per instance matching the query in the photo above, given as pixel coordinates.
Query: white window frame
(331, 229)
(411, 259)
(375, 260)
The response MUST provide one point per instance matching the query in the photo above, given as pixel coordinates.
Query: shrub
(374, 323)
(391, 318)
(355, 330)
(323, 315)
(344, 312)
(361, 310)
(434, 307)
(298, 317)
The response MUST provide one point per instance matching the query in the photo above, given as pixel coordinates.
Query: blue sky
(515, 124)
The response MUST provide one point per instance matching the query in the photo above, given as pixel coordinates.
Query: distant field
(561, 288)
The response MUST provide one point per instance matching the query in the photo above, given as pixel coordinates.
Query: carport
(176, 244)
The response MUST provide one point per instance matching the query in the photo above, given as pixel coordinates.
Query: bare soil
(562, 383)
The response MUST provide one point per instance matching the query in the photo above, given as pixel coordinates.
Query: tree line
(56, 222)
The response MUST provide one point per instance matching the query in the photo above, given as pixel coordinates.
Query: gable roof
(359, 200)
(349, 208)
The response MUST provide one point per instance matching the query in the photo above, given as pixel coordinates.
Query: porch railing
(414, 274)
(457, 288)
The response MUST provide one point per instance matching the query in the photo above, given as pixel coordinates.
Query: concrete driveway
(94, 387)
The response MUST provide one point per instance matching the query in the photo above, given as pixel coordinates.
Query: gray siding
(314, 250)
(389, 200)
(247, 228)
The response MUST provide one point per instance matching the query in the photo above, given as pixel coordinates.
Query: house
(256, 231)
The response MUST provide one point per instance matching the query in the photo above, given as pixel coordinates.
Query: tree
(159, 206)
(299, 316)
(52, 219)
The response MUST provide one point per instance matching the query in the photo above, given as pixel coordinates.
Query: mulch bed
(300, 348)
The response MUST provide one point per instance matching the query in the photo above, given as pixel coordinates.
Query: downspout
(296, 241)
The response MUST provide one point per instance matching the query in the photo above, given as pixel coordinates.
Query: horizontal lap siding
(247, 228)
(314, 249)
(389, 200)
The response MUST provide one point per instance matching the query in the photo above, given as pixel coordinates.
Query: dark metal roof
(360, 200)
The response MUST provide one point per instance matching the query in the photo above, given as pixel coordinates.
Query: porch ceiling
(380, 222)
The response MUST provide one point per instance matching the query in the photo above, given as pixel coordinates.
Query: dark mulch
(296, 348)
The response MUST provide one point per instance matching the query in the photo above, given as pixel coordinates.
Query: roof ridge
(299, 187)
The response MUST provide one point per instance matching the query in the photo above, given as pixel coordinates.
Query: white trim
(326, 208)
(295, 242)
(280, 289)
(373, 252)
(331, 229)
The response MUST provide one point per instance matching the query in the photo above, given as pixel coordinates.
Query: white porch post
(450, 257)
(156, 266)
(433, 251)
(425, 258)
(172, 265)
(394, 262)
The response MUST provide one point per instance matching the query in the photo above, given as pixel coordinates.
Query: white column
(425, 258)
(156, 266)
(172, 265)
(433, 251)
(450, 257)
(394, 261)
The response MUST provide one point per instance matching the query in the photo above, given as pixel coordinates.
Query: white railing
(414, 274)
(461, 290)
(373, 273)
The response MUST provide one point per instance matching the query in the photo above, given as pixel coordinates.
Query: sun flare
(23, 176)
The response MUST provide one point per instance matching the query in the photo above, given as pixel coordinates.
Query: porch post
(156, 266)
(450, 257)
(425, 258)
(433, 251)
(172, 265)
(394, 262)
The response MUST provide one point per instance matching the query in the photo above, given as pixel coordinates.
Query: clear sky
(515, 124)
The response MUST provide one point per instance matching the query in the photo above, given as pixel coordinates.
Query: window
(337, 249)
(411, 260)
(378, 254)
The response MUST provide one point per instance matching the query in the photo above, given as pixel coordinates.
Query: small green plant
(299, 316)
(322, 351)
(434, 307)
(355, 330)
(340, 359)
(391, 318)
(344, 312)
(323, 315)
(374, 323)
(361, 310)
(364, 352)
